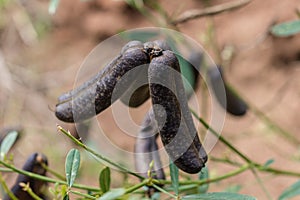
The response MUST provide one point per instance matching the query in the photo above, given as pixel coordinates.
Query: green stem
(2, 169)
(211, 180)
(6, 189)
(259, 167)
(46, 179)
(221, 138)
(77, 142)
(54, 173)
(137, 186)
(27, 188)
(276, 171)
(164, 191)
(272, 125)
(82, 194)
(225, 160)
(269, 122)
(261, 183)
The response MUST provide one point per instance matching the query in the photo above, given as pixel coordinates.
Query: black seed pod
(146, 149)
(138, 91)
(95, 95)
(172, 114)
(34, 165)
(232, 103)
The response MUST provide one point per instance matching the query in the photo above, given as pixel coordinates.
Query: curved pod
(175, 123)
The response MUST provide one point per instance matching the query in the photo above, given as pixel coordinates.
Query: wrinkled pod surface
(95, 95)
(172, 114)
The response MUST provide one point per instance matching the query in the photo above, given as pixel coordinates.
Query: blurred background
(40, 55)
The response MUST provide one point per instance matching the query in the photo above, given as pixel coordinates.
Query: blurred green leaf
(104, 179)
(155, 196)
(189, 78)
(269, 162)
(53, 6)
(66, 197)
(143, 36)
(7, 143)
(233, 188)
(113, 194)
(292, 191)
(72, 166)
(174, 177)
(203, 175)
(286, 29)
(137, 4)
(219, 196)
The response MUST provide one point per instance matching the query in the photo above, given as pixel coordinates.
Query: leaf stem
(164, 191)
(54, 173)
(6, 189)
(77, 142)
(47, 179)
(82, 194)
(221, 138)
(196, 13)
(259, 167)
(137, 186)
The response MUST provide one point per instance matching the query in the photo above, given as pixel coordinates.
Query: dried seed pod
(172, 114)
(229, 101)
(69, 95)
(146, 149)
(34, 165)
(95, 95)
(138, 91)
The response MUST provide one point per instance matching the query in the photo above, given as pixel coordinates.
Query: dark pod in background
(146, 149)
(33, 164)
(232, 102)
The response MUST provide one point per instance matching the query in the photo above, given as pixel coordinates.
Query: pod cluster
(156, 75)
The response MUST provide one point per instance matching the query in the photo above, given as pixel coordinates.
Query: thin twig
(45, 178)
(222, 139)
(196, 13)
(6, 189)
(258, 166)
(77, 142)
(268, 121)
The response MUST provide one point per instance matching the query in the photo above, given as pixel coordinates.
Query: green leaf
(155, 196)
(286, 29)
(72, 166)
(174, 177)
(269, 162)
(66, 197)
(233, 188)
(104, 179)
(143, 36)
(219, 196)
(113, 194)
(7, 143)
(203, 175)
(292, 191)
(53, 6)
(189, 78)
